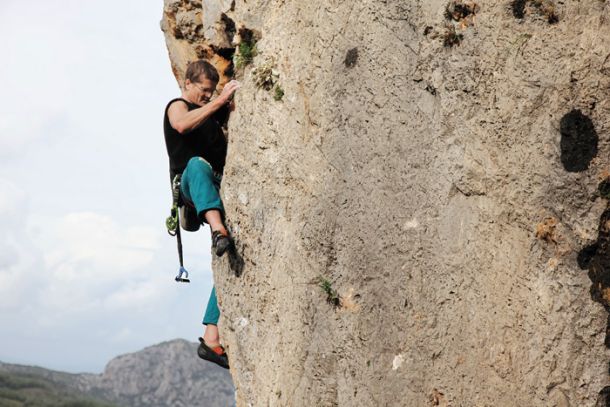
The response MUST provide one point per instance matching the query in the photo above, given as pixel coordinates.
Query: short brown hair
(201, 67)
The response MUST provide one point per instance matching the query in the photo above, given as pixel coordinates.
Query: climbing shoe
(215, 355)
(220, 243)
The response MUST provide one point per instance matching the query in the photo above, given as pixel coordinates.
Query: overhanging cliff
(413, 190)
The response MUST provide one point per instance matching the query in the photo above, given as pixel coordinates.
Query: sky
(86, 265)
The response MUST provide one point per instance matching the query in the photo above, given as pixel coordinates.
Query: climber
(197, 146)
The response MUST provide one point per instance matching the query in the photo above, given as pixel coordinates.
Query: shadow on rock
(236, 261)
(603, 400)
(578, 141)
(596, 259)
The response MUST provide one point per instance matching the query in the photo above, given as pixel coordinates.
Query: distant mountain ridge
(163, 375)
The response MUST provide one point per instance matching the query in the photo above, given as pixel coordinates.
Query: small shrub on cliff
(332, 296)
(278, 93)
(265, 76)
(246, 51)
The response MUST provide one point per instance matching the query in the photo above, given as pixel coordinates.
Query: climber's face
(201, 91)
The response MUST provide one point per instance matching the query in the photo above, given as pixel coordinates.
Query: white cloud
(17, 253)
(13, 201)
(90, 257)
(84, 239)
(138, 294)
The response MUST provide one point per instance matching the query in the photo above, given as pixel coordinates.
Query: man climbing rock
(197, 146)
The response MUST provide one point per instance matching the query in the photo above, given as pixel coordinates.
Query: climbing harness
(172, 223)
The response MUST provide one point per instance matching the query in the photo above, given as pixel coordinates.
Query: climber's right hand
(228, 91)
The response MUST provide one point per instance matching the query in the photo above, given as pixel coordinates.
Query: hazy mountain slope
(37, 389)
(167, 374)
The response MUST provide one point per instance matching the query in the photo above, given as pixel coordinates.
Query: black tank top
(206, 141)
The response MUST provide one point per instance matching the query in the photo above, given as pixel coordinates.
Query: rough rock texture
(440, 170)
(184, 30)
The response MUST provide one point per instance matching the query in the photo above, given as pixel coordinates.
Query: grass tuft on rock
(278, 93)
(332, 296)
(246, 51)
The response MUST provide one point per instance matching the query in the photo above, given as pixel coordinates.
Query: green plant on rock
(278, 93)
(332, 296)
(266, 77)
(246, 51)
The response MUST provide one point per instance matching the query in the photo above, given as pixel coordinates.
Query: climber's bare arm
(184, 121)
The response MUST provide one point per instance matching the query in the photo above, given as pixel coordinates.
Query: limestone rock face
(436, 165)
(184, 29)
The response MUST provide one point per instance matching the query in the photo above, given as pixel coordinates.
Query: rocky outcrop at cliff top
(436, 164)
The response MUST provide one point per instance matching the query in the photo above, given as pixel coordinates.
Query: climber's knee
(199, 165)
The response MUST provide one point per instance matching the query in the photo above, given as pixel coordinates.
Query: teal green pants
(201, 188)
(212, 312)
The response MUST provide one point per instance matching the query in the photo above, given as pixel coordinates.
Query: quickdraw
(172, 223)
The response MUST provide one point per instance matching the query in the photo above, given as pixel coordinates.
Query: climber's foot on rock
(221, 242)
(214, 354)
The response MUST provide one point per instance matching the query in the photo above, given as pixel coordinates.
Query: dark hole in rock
(246, 35)
(518, 7)
(585, 255)
(229, 24)
(578, 141)
(335, 302)
(178, 34)
(553, 18)
(458, 10)
(604, 188)
(226, 53)
(545, 8)
(236, 261)
(351, 58)
(451, 37)
(229, 71)
(428, 30)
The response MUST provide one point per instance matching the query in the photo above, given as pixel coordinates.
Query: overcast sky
(86, 266)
